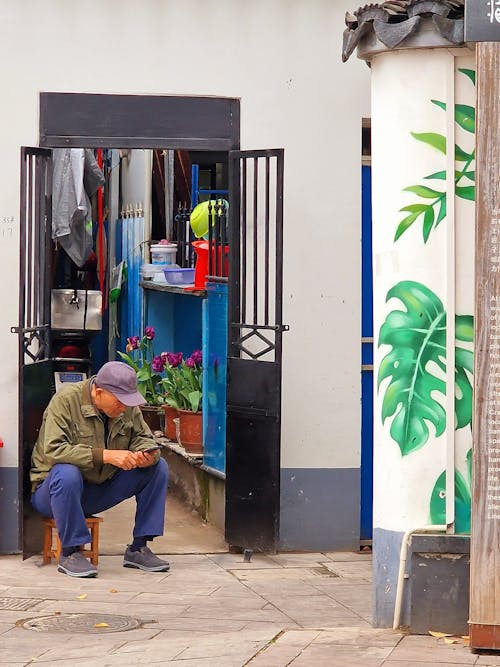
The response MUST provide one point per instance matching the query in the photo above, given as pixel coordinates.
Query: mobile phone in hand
(151, 449)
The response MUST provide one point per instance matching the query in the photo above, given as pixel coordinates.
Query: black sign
(482, 20)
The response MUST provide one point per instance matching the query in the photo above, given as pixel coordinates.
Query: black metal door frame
(86, 120)
(255, 320)
(33, 328)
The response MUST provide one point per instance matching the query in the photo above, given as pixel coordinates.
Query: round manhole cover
(87, 623)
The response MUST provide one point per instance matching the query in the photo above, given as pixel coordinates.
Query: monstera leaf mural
(462, 499)
(417, 337)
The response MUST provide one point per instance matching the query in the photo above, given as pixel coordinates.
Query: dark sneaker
(144, 559)
(76, 565)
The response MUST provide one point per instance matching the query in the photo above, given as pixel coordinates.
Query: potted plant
(183, 392)
(139, 354)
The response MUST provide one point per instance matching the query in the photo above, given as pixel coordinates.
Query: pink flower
(174, 359)
(149, 332)
(157, 364)
(190, 362)
(196, 357)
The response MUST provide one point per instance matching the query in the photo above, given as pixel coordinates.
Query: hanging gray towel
(76, 177)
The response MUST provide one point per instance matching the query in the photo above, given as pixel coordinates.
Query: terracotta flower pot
(170, 430)
(191, 431)
(153, 416)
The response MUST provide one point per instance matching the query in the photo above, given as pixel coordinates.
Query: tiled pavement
(216, 610)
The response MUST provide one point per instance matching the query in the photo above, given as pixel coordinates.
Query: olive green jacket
(73, 432)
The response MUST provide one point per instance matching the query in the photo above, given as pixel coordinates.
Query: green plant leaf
(194, 399)
(416, 338)
(466, 192)
(124, 357)
(470, 73)
(423, 191)
(437, 141)
(428, 223)
(143, 374)
(462, 502)
(471, 175)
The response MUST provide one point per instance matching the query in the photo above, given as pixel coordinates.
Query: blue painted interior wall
(176, 319)
(214, 376)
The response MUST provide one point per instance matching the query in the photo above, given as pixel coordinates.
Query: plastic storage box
(177, 276)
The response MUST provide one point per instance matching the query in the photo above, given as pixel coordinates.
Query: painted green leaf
(470, 73)
(437, 141)
(466, 192)
(469, 466)
(439, 175)
(405, 223)
(428, 223)
(464, 328)
(471, 175)
(423, 191)
(463, 156)
(442, 105)
(415, 208)
(465, 115)
(462, 502)
(442, 211)
(416, 338)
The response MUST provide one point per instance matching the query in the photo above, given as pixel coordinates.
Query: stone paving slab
(325, 655)
(427, 649)
(216, 611)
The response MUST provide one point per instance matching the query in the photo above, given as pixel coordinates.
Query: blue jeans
(66, 497)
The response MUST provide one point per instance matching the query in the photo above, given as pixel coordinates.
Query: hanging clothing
(76, 177)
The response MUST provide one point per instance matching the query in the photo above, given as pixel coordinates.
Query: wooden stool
(49, 551)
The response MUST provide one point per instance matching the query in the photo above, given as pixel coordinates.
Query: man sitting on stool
(92, 453)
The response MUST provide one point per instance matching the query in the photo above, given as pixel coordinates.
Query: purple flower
(149, 332)
(132, 343)
(196, 357)
(174, 359)
(157, 364)
(190, 362)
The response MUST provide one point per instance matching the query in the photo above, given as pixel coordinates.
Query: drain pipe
(402, 566)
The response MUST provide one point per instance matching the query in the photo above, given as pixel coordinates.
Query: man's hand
(144, 460)
(121, 458)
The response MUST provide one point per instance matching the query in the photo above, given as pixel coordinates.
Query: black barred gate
(254, 349)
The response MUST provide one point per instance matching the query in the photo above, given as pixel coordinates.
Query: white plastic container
(163, 254)
(148, 270)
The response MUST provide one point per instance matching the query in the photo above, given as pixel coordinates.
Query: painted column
(423, 243)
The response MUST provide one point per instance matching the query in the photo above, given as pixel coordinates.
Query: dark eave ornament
(375, 28)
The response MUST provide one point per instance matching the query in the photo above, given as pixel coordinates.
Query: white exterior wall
(409, 490)
(283, 60)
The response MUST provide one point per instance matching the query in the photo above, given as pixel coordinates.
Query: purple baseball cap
(120, 379)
